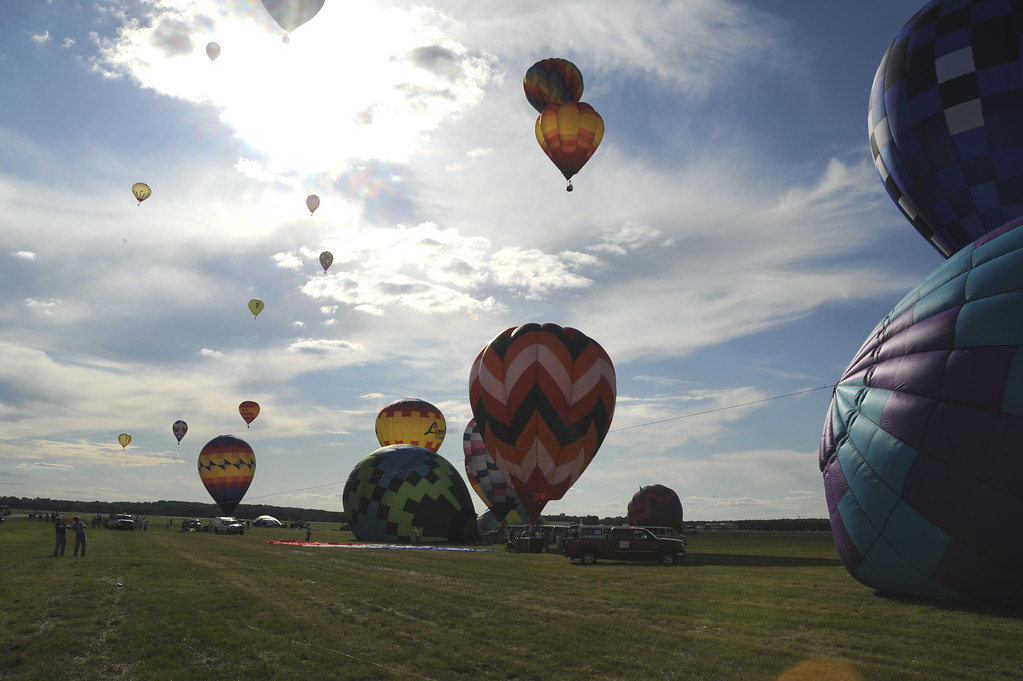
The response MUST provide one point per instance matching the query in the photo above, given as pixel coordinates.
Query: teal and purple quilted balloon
(921, 450)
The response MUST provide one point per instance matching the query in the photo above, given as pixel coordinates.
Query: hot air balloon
(484, 476)
(326, 260)
(179, 428)
(398, 488)
(543, 397)
(312, 202)
(411, 422)
(515, 517)
(552, 81)
(255, 307)
(212, 51)
(655, 505)
(944, 121)
(569, 133)
(290, 14)
(141, 191)
(249, 411)
(920, 448)
(226, 467)
(124, 440)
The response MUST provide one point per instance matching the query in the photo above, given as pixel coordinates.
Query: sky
(730, 243)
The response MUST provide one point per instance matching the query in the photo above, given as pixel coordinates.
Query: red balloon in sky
(249, 411)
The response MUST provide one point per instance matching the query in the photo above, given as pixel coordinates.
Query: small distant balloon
(179, 428)
(326, 260)
(212, 51)
(141, 191)
(255, 307)
(249, 411)
(124, 440)
(312, 202)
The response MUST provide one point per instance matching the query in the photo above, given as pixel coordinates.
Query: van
(5, 510)
(228, 525)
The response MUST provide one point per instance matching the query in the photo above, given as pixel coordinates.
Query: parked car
(665, 532)
(228, 525)
(120, 521)
(625, 543)
(193, 525)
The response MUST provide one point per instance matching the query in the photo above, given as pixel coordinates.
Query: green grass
(167, 605)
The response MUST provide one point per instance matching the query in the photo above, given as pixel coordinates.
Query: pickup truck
(624, 543)
(120, 521)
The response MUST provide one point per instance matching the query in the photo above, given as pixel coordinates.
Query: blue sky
(730, 241)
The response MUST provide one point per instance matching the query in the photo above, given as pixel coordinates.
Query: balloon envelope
(124, 440)
(212, 51)
(290, 14)
(401, 487)
(312, 202)
(249, 411)
(569, 133)
(326, 260)
(141, 191)
(226, 467)
(552, 81)
(920, 448)
(412, 422)
(179, 429)
(485, 477)
(944, 121)
(255, 307)
(655, 505)
(543, 397)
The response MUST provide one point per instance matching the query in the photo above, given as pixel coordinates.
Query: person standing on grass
(79, 527)
(61, 528)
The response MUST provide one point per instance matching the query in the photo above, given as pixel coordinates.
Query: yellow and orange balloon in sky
(141, 191)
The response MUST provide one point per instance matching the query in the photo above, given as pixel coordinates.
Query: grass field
(167, 605)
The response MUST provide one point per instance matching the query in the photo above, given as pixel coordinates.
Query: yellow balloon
(255, 307)
(124, 439)
(141, 191)
(411, 422)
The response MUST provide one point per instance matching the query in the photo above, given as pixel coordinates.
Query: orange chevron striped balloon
(543, 397)
(411, 422)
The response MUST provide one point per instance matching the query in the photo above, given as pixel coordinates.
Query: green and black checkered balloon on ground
(401, 487)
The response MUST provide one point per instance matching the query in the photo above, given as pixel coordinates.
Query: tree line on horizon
(194, 509)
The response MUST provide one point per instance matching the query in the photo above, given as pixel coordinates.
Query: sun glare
(357, 82)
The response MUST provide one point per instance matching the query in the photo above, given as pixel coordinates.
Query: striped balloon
(552, 81)
(484, 475)
(226, 467)
(569, 133)
(543, 397)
